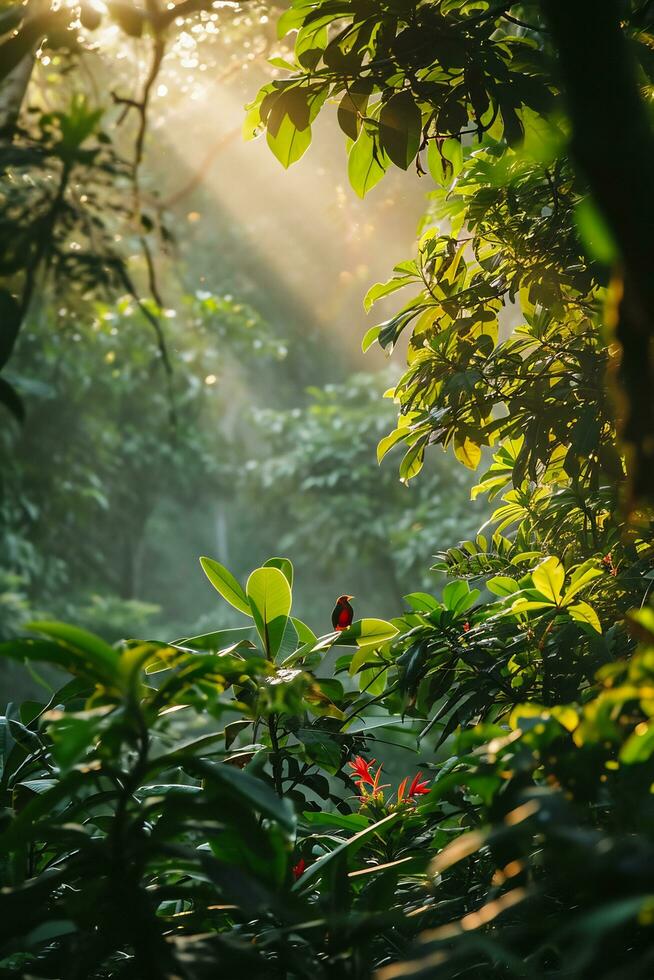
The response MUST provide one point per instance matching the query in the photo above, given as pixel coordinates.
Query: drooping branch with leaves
(472, 93)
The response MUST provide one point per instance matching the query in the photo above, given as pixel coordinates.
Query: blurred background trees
(173, 310)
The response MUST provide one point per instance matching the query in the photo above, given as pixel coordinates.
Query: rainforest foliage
(459, 785)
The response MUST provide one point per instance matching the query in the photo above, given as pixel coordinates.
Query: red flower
(607, 562)
(466, 627)
(362, 768)
(299, 868)
(416, 788)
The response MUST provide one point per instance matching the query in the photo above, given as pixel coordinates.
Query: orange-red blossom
(417, 787)
(368, 782)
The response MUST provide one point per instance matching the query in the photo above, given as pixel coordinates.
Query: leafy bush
(212, 800)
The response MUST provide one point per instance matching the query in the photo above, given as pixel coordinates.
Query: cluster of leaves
(486, 388)
(56, 185)
(404, 74)
(149, 801)
(564, 806)
(469, 89)
(205, 785)
(74, 210)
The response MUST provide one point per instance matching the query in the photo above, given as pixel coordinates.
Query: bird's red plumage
(343, 613)
(344, 618)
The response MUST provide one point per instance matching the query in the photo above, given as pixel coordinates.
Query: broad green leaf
(543, 140)
(25, 826)
(291, 20)
(453, 152)
(321, 749)
(289, 641)
(367, 632)
(61, 655)
(526, 605)
(224, 582)
(282, 63)
(250, 789)
(218, 640)
(285, 565)
(366, 163)
(370, 338)
(502, 585)
(565, 716)
(310, 44)
(366, 655)
(373, 681)
(289, 144)
(457, 596)
(413, 460)
(344, 821)
(422, 601)
(640, 744)
(269, 595)
(85, 645)
(548, 578)
(37, 786)
(71, 736)
(581, 612)
(594, 232)
(387, 443)
(581, 578)
(381, 289)
(467, 452)
(435, 164)
(526, 711)
(305, 634)
(400, 128)
(353, 105)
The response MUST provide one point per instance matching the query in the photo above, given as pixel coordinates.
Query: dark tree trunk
(613, 147)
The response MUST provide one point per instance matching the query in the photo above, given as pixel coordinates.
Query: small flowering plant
(371, 789)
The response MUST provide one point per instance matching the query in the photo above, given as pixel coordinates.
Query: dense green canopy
(459, 783)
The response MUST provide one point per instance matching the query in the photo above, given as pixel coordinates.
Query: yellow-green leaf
(581, 612)
(467, 452)
(269, 595)
(368, 633)
(366, 163)
(387, 443)
(548, 578)
(289, 143)
(224, 582)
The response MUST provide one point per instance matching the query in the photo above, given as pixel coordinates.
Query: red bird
(343, 613)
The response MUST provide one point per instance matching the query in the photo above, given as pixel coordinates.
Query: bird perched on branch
(343, 613)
